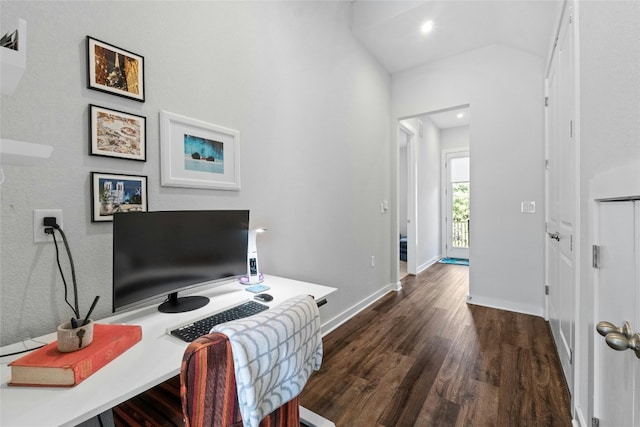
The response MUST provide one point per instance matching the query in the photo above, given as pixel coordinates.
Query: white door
(407, 133)
(457, 218)
(617, 373)
(560, 206)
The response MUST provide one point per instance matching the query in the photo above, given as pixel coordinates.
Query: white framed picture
(197, 154)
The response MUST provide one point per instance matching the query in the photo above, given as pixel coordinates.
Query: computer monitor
(164, 253)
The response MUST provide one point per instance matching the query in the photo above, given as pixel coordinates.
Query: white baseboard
(504, 305)
(428, 264)
(341, 318)
(311, 419)
(579, 419)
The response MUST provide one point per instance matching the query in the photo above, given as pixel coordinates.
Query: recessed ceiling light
(460, 115)
(427, 27)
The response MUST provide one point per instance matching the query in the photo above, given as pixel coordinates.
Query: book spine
(85, 368)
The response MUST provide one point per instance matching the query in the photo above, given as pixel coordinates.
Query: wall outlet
(39, 215)
(373, 261)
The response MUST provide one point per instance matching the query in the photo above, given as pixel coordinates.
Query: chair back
(208, 388)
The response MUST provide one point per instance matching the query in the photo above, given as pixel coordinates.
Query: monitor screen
(161, 253)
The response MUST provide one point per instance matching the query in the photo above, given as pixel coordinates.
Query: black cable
(64, 281)
(73, 270)
(22, 351)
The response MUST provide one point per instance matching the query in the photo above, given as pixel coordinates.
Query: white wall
(456, 138)
(609, 135)
(428, 170)
(504, 87)
(311, 105)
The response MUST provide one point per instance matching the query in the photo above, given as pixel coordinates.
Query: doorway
(457, 212)
(421, 140)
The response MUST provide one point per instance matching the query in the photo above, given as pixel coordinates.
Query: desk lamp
(253, 272)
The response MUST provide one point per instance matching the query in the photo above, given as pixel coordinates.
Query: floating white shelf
(23, 153)
(13, 61)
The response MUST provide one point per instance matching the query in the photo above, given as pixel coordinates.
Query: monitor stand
(177, 304)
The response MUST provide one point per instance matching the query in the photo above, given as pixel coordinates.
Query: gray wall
(311, 105)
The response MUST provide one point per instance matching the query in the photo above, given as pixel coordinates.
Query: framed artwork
(111, 193)
(197, 154)
(117, 134)
(114, 70)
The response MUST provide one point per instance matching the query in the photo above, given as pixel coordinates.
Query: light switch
(528, 207)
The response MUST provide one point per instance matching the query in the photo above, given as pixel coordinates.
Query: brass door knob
(620, 342)
(605, 328)
(619, 338)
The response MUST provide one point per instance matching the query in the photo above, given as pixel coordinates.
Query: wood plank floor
(423, 357)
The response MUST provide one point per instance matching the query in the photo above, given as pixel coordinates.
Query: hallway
(424, 357)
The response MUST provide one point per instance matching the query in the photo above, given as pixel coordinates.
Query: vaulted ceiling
(391, 31)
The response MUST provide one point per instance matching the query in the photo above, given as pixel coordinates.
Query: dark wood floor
(423, 357)
(418, 357)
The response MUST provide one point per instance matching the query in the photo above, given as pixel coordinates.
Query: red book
(47, 366)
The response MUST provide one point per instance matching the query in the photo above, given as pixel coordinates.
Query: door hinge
(570, 356)
(546, 164)
(546, 101)
(546, 289)
(595, 422)
(571, 243)
(595, 256)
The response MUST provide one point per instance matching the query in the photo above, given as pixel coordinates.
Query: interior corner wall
(313, 111)
(505, 89)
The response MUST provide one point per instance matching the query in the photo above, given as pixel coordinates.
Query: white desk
(151, 361)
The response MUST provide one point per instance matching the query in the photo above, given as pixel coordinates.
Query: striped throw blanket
(274, 353)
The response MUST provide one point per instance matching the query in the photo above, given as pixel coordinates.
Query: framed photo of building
(114, 70)
(112, 193)
(197, 154)
(117, 134)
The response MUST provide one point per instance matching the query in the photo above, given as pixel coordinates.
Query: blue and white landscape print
(203, 155)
